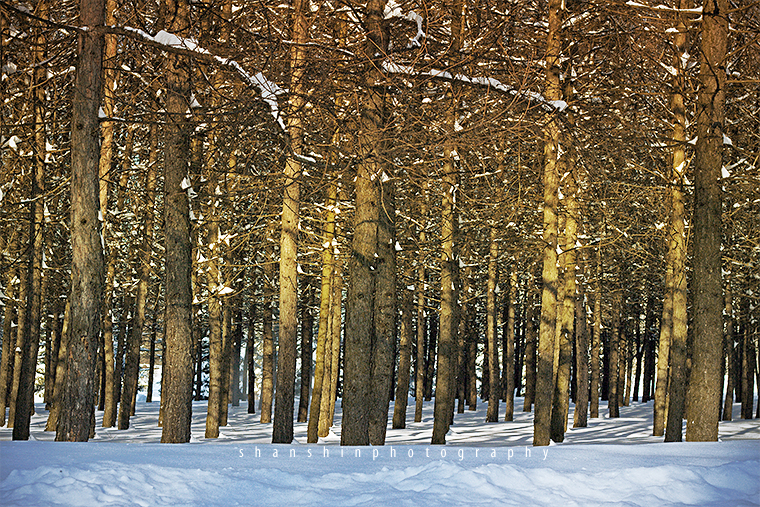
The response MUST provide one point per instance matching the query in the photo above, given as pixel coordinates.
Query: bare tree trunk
(60, 371)
(22, 310)
(596, 339)
(360, 315)
(78, 396)
(561, 402)
(705, 381)
(404, 363)
(267, 338)
(6, 375)
(176, 388)
(492, 414)
(250, 352)
(419, 382)
(547, 331)
(307, 336)
(286, 357)
(334, 339)
(24, 403)
(509, 350)
(614, 401)
(530, 352)
(580, 416)
(728, 404)
(446, 378)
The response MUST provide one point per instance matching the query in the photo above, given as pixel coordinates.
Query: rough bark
(509, 349)
(404, 363)
(176, 392)
(286, 356)
(613, 402)
(705, 381)
(547, 330)
(78, 396)
(267, 339)
(492, 413)
(596, 340)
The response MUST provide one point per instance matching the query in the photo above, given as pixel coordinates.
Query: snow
(482, 464)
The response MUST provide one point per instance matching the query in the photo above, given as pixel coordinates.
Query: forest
(464, 202)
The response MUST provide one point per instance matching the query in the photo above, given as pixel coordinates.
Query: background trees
(416, 135)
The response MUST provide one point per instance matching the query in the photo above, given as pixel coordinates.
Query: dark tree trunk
(176, 388)
(705, 381)
(78, 396)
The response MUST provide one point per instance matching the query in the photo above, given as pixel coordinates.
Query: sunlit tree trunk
(267, 338)
(547, 330)
(728, 404)
(307, 325)
(419, 382)
(286, 355)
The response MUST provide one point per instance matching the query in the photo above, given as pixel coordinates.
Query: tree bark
(177, 384)
(78, 396)
(492, 413)
(547, 331)
(596, 339)
(286, 358)
(705, 381)
(307, 325)
(404, 363)
(445, 386)
(509, 350)
(267, 339)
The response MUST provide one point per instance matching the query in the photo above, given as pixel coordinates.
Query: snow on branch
(393, 10)
(665, 8)
(268, 90)
(488, 82)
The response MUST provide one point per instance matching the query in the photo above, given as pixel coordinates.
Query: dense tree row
(451, 200)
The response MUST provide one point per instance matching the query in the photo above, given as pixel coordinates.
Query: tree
(547, 330)
(79, 387)
(286, 358)
(177, 363)
(704, 384)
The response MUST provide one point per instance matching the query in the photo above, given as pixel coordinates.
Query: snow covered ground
(612, 462)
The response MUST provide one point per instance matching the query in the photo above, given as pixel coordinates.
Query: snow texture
(483, 464)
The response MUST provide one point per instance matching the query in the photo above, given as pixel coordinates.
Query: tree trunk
(22, 310)
(530, 352)
(78, 396)
(176, 388)
(250, 354)
(705, 381)
(267, 339)
(492, 414)
(614, 370)
(60, 371)
(446, 379)
(561, 402)
(24, 403)
(728, 404)
(509, 350)
(307, 336)
(544, 378)
(580, 416)
(286, 357)
(419, 382)
(361, 312)
(6, 375)
(404, 363)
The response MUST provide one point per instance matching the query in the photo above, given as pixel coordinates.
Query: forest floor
(610, 462)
